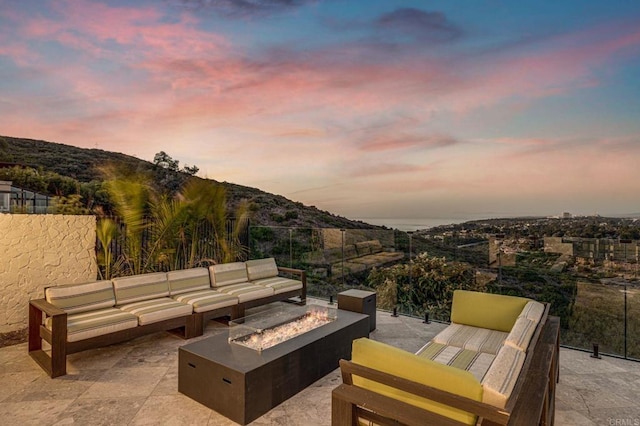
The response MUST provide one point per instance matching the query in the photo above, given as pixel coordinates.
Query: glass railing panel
(596, 317)
(632, 313)
(396, 265)
(335, 259)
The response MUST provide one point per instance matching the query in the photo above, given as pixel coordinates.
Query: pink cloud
(555, 66)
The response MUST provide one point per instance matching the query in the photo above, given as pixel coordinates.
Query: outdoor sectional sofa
(496, 363)
(72, 318)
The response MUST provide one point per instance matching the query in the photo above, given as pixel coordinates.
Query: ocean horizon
(412, 224)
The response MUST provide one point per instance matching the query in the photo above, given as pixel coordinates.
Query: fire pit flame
(263, 338)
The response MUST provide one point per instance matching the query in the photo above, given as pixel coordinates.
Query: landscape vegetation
(160, 216)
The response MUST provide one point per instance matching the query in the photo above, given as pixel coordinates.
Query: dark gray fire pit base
(242, 384)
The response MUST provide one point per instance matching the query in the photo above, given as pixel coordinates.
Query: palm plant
(162, 232)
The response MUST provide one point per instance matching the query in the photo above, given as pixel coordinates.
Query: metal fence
(187, 251)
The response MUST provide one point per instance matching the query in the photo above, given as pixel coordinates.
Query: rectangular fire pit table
(243, 384)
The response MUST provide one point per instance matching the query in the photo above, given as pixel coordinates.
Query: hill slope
(82, 164)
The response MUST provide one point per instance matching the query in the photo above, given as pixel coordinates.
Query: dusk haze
(449, 110)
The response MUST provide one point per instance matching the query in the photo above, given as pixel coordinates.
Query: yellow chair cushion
(397, 362)
(485, 310)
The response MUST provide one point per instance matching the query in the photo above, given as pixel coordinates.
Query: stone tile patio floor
(136, 383)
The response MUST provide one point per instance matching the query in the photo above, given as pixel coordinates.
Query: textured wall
(38, 251)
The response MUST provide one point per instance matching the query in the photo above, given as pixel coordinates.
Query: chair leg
(35, 321)
(194, 326)
(58, 346)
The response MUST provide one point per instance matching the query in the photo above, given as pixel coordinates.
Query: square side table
(360, 301)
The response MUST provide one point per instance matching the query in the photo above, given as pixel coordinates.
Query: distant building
(501, 252)
(16, 199)
(566, 215)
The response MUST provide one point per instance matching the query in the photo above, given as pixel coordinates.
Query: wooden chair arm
(387, 407)
(46, 307)
(480, 409)
(300, 272)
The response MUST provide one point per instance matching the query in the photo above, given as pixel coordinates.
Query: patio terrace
(135, 383)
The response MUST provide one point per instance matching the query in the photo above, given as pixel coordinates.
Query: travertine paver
(136, 383)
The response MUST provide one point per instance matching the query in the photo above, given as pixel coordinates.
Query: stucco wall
(38, 251)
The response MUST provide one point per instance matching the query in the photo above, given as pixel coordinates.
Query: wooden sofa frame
(532, 401)
(54, 361)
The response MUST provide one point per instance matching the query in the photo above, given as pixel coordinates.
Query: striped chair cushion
(188, 280)
(228, 274)
(521, 334)
(533, 311)
(207, 300)
(84, 325)
(499, 381)
(140, 287)
(280, 284)
(247, 291)
(259, 269)
(150, 311)
(76, 298)
(477, 363)
(473, 338)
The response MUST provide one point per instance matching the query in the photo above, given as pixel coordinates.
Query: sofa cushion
(154, 310)
(391, 360)
(280, 284)
(74, 298)
(476, 363)
(533, 311)
(521, 334)
(485, 310)
(500, 379)
(188, 280)
(83, 325)
(206, 300)
(140, 287)
(472, 338)
(247, 291)
(225, 274)
(258, 269)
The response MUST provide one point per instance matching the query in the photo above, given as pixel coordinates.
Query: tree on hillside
(168, 174)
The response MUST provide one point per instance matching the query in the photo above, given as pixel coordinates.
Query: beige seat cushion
(207, 300)
(280, 284)
(75, 298)
(521, 334)
(533, 311)
(259, 269)
(188, 280)
(247, 291)
(500, 379)
(477, 363)
(226, 274)
(473, 338)
(140, 287)
(84, 325)
(150, 311)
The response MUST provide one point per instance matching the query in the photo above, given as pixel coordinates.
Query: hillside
(82, 165)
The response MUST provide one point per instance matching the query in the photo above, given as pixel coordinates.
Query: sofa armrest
(54, 363)
(387, 406)
(303, 277)
(43, 306)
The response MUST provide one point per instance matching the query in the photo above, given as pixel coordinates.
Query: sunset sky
(424, 109)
